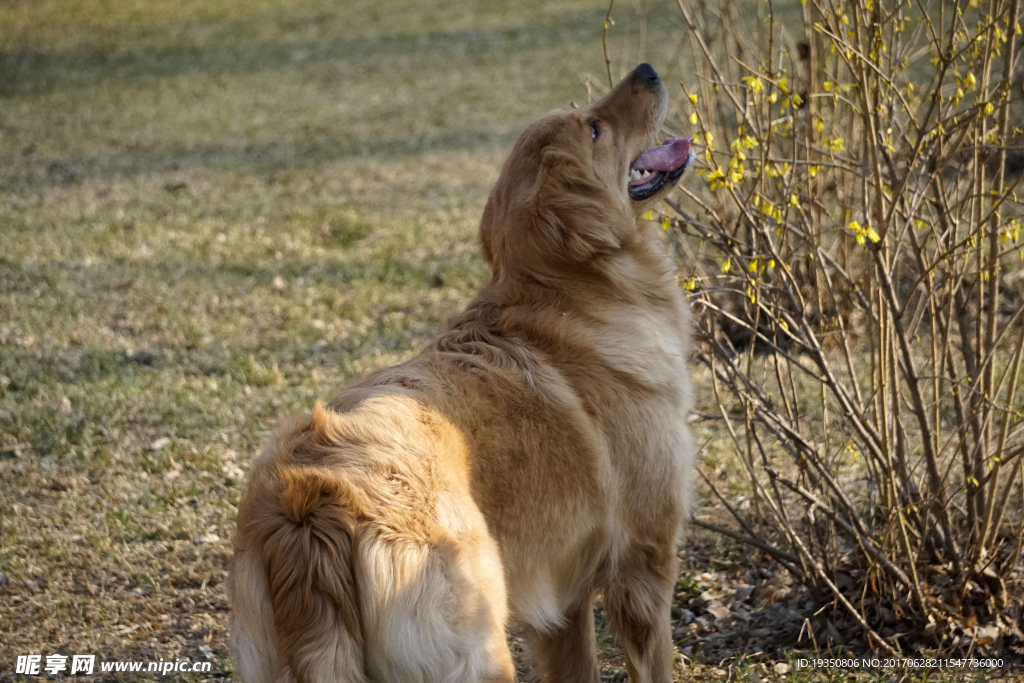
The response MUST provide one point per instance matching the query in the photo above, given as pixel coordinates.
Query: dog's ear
(487, 232)
(577, 214)
(554, 215)
(501, 234)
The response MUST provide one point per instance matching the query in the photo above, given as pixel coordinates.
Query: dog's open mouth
(658, 166)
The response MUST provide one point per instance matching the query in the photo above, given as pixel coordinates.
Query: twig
(604, 43)
(785, 559)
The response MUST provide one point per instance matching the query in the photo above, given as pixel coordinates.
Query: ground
(213, 213)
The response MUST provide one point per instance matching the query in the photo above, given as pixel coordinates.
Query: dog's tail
(297, 572)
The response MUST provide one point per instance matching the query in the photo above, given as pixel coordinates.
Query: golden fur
(532, 456)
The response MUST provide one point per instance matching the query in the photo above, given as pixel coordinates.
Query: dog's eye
(595, 131)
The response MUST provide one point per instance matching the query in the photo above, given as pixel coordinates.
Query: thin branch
(604, 43)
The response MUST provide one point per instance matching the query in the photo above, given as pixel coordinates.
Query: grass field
(212, 213)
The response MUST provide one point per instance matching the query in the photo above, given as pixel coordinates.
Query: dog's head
(577, 180)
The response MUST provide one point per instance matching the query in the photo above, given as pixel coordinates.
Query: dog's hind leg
(639, 602)
(567, 653)
(433, 613)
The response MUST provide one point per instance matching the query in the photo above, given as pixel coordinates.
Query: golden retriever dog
(535, 455)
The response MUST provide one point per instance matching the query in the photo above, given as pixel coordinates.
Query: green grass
(212, 213)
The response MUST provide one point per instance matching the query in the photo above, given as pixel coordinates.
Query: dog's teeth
(638, 174)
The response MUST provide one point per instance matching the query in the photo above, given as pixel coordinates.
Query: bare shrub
(855, 261)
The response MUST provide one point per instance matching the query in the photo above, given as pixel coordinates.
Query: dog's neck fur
(639, 271)
(516, 319)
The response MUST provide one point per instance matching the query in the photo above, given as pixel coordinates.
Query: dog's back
(360, 555)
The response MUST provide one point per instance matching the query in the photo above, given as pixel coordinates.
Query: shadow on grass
(317, 150)
(29, 72)
(391, 267)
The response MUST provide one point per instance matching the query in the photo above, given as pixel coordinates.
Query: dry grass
(212, 213)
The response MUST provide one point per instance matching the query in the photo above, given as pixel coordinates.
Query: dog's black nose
(646, 73)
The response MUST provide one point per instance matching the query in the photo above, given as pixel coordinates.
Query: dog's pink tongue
(666, 157)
